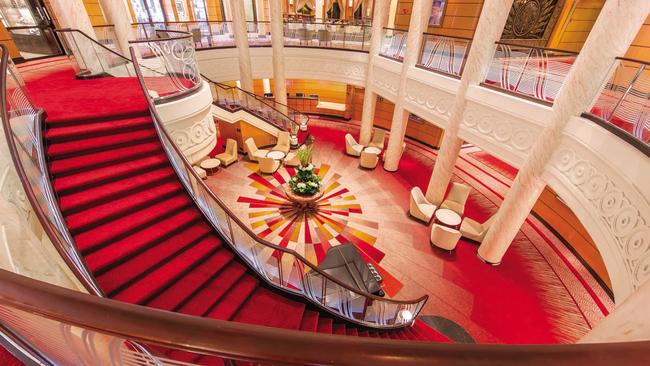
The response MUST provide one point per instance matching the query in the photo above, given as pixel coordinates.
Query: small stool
(210, 165)
(201, 172)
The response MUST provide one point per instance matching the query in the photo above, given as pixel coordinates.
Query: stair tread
(352, 332)
(99, 143)
(201, 302)
(167, 273)
(233, 300)
(124, 248)
(325, 325)
(128, 224)
(86, 219)
(267, 308)
(108, 173)
(338, 328)
(100, 194)
(121, 274)
(188, 285)
(80, 163)
(83, 130)
(309, 321)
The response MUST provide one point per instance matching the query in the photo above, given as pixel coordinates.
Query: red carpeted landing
(7, 359)
(136, 227)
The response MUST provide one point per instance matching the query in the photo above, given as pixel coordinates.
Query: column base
(486, 261)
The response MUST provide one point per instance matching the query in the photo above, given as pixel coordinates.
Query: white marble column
(319, 4)
(369, 98)
(72, 14)
(614, 30)
(420, 13)
(488, 30)
(241, 41)
(277, 41)
(117, 13)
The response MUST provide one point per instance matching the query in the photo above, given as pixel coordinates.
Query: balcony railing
(393, 44)
(23, 127)
(533, 72)
(106, 35)
(443, 54)
(278, 266)
(624, 101)
(311, 34)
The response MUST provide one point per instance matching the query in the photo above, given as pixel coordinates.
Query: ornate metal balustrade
(443, 54)
(393, 44)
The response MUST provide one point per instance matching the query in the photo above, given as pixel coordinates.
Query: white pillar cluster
(117, 13)
(241, 41)
(611, 36)
(420, 13)
(277, 42)
(369, 98)
(488, 30)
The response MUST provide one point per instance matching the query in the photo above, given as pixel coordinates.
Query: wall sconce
(350, 3)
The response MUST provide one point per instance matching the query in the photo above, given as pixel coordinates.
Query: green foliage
(305, 181)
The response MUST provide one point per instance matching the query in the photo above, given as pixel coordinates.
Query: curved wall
(597, 174)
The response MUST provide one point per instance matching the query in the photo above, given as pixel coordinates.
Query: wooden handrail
(633, 60)
(71, 259)
(246, 229)
(538, 48)
(266, 344)
(446, 36)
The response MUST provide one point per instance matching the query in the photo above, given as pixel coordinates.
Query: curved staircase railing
(23, 126)
(278, 266)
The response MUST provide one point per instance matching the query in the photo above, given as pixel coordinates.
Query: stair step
(425, 332)
(87, 219)
(192, 282)
(325, 325)
(95, 129)
(309, 321)
(91, 197)
(95, 144)
(200, 303)
(81, 163)
(363, 333)
(272, 310)
(120, 276)
(164, 276)
(210, 361)
(352, 332)
(234, 299)
(338, 328)
(76, 182)
(103, 259)
(129, 224)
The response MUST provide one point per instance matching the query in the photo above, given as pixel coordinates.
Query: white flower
(295, 179)
(301, 185)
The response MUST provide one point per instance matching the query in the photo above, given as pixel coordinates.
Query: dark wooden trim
(538, 48)
(619, 132)
(633, 60)
(445, 36)
(515, 94)
(457, 77)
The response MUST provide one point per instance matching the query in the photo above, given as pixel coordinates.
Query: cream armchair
(254, 154)
(444, 237)
(229, 156)
(474, 230)
(269, 165)
(378, 137)
(283, 144)
(368, 160)
(420, 207)
(456, 198)
(352, 147)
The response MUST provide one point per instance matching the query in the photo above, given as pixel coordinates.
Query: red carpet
(7, 359)
(136, 227)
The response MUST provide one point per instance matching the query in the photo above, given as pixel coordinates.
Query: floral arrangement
(305, 182)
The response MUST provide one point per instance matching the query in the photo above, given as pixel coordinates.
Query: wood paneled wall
(640, 48)
(557, 215)
(215, 13)
(459, 19)
(327, 91)
(5, 39)
(575, 23)
(94, 12)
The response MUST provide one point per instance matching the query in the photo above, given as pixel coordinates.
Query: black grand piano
(344, 263)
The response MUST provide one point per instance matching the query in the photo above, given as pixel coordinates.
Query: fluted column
(611, 36)
(277, 41)
(241, 41)
(369, 98)
(117, 13)
(488, 30)
(420, 13)
(72, 14)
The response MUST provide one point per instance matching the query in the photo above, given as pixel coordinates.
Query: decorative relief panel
(516, 134)
(328, 69)
(386, 81)
(191, 136)
(621, 210)
(437, 103)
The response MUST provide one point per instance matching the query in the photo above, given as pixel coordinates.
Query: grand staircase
(139, 231)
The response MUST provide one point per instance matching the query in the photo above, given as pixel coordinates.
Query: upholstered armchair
(420, 207)
(378, 137)
(474, 230)
(456, 198)
(283, 143)
(229, 156)
(352, 147)
(368, 160)
(444, 237)
(254, 154)
(268, 165)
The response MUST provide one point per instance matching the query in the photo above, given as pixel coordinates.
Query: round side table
(277, 155)
(448, 218)
(210, 165)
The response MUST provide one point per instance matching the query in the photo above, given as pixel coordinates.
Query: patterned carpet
(540, 294)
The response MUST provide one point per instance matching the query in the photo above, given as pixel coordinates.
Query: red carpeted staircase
(141, 234)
